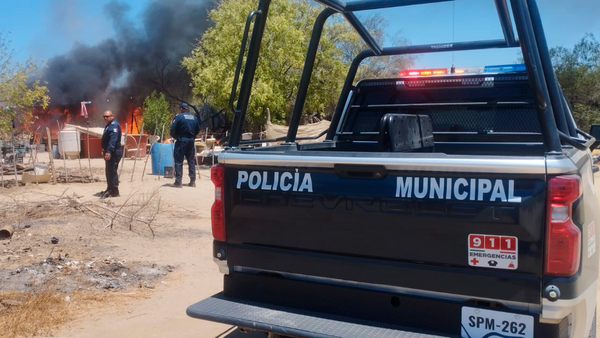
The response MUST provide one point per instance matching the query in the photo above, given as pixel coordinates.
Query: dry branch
(143, 210)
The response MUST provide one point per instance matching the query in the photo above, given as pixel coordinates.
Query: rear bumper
(307, 309)
(287, 321)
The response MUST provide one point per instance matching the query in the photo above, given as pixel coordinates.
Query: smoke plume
(118, 73)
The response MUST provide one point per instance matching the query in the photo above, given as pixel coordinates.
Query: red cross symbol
(474, 261)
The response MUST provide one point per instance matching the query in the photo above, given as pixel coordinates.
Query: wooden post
(50, 152)
(196, 162)
(160, 149)
(63, 151)
(172, 146)
(88, 150)
(37, 148)
(124, 151)
(30, 155)
(14, 158)
(31, 159)
(149, 153)
(2, 170)
(37, 141)
(80, 169)
(137, 151)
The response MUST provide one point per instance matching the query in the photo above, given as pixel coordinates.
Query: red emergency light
(423, 72)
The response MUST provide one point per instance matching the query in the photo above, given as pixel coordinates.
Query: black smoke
(144, 55)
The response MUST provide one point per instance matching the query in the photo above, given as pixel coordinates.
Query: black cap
(183, 106)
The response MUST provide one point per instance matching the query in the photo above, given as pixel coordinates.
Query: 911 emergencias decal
(491, 251)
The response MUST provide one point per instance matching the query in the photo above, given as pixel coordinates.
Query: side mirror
(595, 132)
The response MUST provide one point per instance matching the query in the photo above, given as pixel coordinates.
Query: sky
(45, 28)
(565, 23)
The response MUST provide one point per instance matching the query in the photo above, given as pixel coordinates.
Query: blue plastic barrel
(165, 151)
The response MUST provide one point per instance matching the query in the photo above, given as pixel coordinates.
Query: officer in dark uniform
(111, 148)
(184, 129)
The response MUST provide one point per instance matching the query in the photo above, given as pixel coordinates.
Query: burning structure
(120, 72)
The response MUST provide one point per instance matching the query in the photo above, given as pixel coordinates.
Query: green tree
(578, 72)
(376, 67)
(156, 113)
(289, 26)
(19, 93)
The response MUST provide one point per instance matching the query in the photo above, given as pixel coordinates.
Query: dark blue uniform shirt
(185, 126)
(111, 138)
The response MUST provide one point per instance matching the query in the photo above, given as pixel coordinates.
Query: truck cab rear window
(460, 104)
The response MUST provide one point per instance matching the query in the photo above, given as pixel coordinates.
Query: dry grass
(33, 313)
(43, 312)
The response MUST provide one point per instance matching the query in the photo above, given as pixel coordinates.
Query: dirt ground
(111, 282)
(141, 284)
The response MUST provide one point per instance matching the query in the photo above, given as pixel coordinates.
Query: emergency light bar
(424, 72)
(461, 71)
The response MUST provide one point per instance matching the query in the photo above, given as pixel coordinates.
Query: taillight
(563, 246)
(217, 212)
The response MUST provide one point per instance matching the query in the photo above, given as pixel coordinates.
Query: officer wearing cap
(184, 129)
(111, 148)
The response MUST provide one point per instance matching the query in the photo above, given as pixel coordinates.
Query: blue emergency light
(504, 68)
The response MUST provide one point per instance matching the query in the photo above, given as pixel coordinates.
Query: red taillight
(217, 212)
(563, 246)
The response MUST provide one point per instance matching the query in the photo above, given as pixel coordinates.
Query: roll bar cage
(555, 117)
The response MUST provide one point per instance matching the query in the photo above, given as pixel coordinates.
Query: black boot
(101, 193)
(177, 184)
(192, 184)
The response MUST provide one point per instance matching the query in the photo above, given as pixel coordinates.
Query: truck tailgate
(353, 222)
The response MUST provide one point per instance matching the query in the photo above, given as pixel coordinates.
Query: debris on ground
(7, 184)
(108, 273)
(9, 169)
(75, 176)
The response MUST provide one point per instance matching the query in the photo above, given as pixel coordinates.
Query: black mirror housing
(595, 131)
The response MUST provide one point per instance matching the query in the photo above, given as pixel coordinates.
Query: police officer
(111, 148)
(184, 129)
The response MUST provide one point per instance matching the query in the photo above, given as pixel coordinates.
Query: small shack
(135, 144)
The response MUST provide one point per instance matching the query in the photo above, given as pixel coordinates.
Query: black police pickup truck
(443, 202)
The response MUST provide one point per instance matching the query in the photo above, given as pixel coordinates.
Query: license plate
(480, 323)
